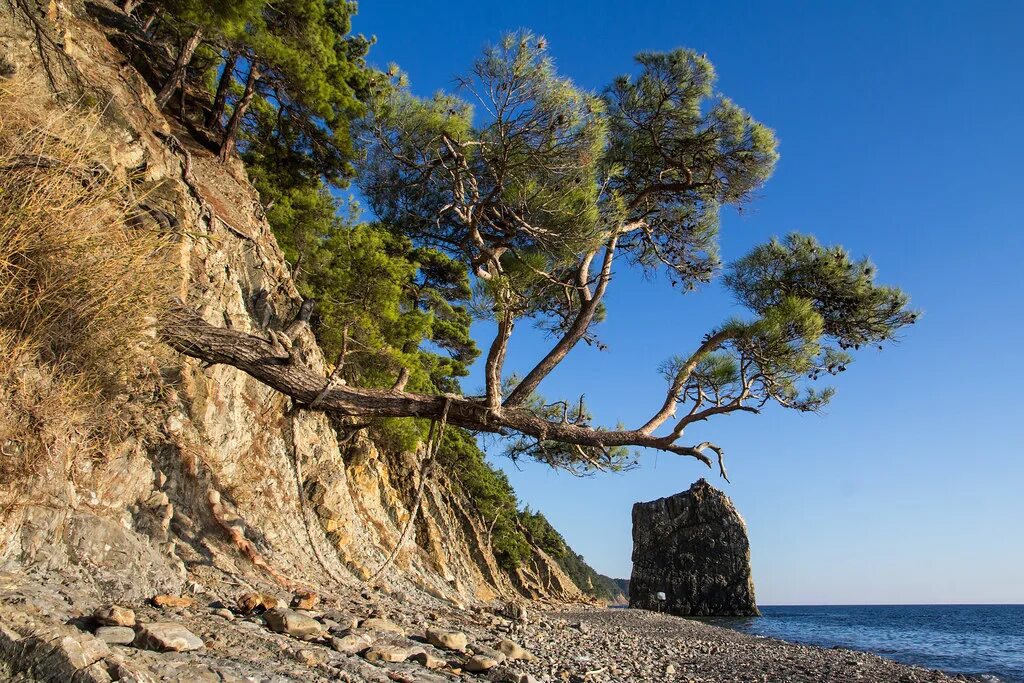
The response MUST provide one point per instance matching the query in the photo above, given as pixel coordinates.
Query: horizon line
(894, 604)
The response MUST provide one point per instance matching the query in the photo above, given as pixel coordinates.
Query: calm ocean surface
(974, 639)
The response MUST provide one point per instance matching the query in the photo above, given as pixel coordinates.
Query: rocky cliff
(693, 548)
(219, 484)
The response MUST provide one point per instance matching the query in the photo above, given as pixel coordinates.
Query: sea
(986, 641)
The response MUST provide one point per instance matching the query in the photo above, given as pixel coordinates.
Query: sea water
(983, 640)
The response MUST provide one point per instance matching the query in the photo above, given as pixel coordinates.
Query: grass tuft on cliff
(79, 288)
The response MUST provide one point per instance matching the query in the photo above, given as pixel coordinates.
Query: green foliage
(219, 20)
(313, 83)
(512, 532)
(589, 581)
(675, 156)
(813, 303)
(543, 535)
(382, 304)
(546, 172)
(491, 493)
(313, 79)
(853, 310)
(533, 157)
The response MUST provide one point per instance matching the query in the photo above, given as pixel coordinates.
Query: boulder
(693, 548)
(249, 603)
(166, 636)
(172, 601)
(480, 664)
(351, 644)
(512, 650)
(344, 620)
(427, 659)
(485, 651)
(386, 653)
(381, 624)
(115, 635)
(305, 600)
(292, 623)
(447, 640)
(115, 615)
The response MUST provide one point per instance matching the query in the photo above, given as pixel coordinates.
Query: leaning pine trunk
(220, 100)
(152, 17)
(239, 113)
(177, 75)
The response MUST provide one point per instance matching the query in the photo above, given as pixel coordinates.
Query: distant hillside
(542, 535)
(589, 581)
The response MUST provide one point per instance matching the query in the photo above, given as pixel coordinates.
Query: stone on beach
(351, 644)
(426, 659)
(305, 600)
(173, 601)
(512, 650)
(485, 651)
(447, 640)
(386, 653)
(381, 624)
(115, 615)
(166, 636)
(292, 623)
(249, 603)
(116, 635)
(480, 663)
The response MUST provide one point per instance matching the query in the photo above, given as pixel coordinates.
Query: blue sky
(902, 137)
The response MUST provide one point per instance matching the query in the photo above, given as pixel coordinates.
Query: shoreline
(637, 645)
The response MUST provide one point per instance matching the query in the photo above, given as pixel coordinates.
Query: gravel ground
(47, 631)
(634, 645)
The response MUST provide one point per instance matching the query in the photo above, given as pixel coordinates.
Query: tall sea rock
(692, 548)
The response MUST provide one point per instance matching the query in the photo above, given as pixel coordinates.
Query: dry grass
(79, 288)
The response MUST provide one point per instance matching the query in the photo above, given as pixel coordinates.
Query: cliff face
(223, 485)
(693, 548)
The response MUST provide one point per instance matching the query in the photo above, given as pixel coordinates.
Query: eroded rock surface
(692, 547)
(222, 482)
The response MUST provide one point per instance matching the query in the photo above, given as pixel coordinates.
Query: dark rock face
(693, 548)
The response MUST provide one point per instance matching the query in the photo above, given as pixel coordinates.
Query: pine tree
(312, 82)
(540, 192)
(195, 20)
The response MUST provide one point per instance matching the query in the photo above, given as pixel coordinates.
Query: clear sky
(902, 137)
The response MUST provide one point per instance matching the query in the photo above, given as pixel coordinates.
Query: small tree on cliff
(542, 193)
(196, 20)
(306, 82)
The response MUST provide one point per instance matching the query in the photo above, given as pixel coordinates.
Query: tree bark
(130, 5)
(177, 76)
(152, 17)
(235, 122)
(271, 363)
(668, 408)
(576, 332)
(496, 354)
(220, 100)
